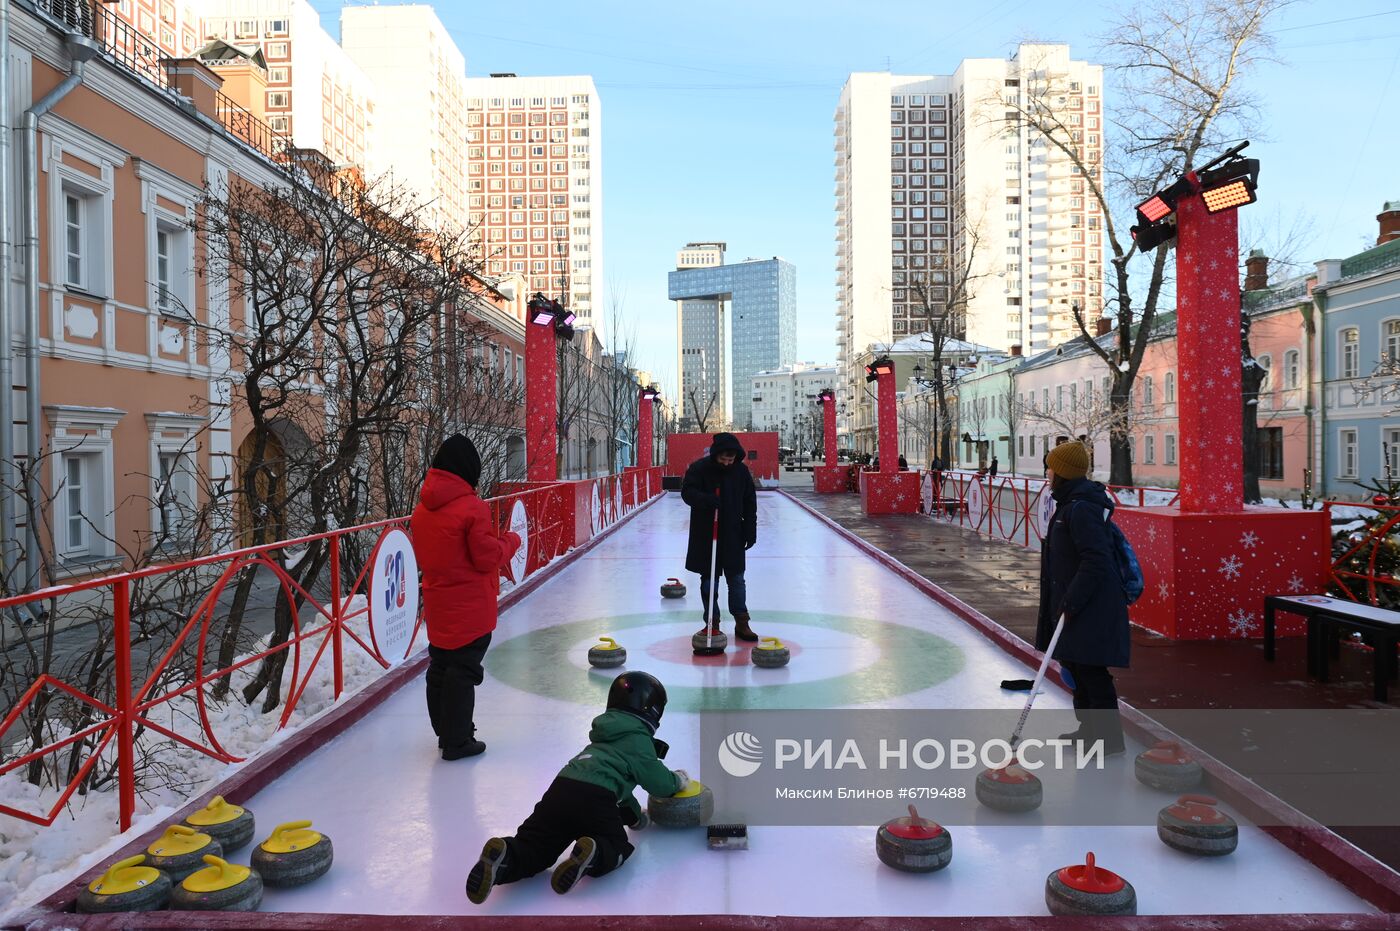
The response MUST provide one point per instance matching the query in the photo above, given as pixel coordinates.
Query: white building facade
(420, 140)
(938, 182)
(785, 402)
(534, 183)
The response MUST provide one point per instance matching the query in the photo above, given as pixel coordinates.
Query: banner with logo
(393, 596)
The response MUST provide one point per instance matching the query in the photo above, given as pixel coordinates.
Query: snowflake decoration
(1242, 623)
(1295, 584)
(1152, 533)
(1163, 590)
(1213, 264)
(1250, 539)
(1210, 383)
(1225, 371)
(1229, 489)
(1230, 568)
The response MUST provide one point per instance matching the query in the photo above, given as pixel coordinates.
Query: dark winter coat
(620, 756)
(459, 553)
(1079, 576)
(738, 508)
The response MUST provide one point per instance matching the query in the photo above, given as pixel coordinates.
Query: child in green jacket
(590, 802)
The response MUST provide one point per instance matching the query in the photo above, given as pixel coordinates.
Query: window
(1271, 453)
(81, 482)
(1170, 387)
(76, 506)
(1351, 353)
(1147, 391)
(1346, 452)
(278, 98)
(173, 495)
(1149, 449)
(1290, 369)
(1170, 449)
(1266, 364)
(165, 257)
(1391, 334)
(1390, 449)
(74, 236)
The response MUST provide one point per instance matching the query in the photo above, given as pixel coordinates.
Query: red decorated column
(645, 406)
(541, 399)
(829, 427)
(1210, 446)
(888, 420)
(888, 491)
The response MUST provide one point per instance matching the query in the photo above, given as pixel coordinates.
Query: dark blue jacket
(1079, 576)
(738, 508)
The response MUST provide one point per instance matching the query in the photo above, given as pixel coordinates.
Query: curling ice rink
(407, 826)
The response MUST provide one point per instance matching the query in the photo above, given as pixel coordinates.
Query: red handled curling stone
(1194, 825)
(1010, 788)
(711, 645)
(672, 588)
(913, 844)
(607, 654)
(294, 855)
(181, 850)
(231, 825)
(219, 887)
(1087, 889)
(1167, 767)
(127, 886)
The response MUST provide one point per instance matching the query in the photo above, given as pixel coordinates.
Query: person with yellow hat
(1079, 578)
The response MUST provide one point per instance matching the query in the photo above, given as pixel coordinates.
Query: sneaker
(462, 751)
(568, 873)
(483, 875)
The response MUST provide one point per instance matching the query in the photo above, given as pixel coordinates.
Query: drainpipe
(81, 50)
(1318, 326)
(7, 329)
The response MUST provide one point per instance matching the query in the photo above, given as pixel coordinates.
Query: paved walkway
(1001, 580)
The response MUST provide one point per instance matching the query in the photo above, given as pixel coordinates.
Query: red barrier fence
(1365, 560)
(117, 712)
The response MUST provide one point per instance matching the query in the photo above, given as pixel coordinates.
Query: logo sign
(521, 525)
(976, 502)
(597, 510)
(926, 493)
(1044, 510)
(393, 596)
(741, 754)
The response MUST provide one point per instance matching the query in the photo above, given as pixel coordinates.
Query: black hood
(458, 456)
(726, 442)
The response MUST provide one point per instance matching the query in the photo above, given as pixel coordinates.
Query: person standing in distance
(723, 470)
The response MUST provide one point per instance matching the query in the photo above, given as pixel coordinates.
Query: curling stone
(219, 887)
(1167, 767)
(1010, 788)
(672, 588)
(718, 643)
(1087, 889)
(770, 654)
(689, 808)
(231, 825)
(1194, 825)
(127, 886)
(293, 856)
(606, 654)
(914, 844)
(181, 850)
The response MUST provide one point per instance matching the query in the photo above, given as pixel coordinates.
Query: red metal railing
(1365, 560)
(135, 699)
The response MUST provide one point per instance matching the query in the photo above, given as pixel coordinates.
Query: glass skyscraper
(761, 325)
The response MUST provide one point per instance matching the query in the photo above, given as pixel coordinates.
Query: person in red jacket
(461, 557)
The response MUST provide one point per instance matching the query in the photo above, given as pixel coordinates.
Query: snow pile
(36, 861)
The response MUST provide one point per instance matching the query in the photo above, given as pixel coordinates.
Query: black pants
(453, 676)
(569, 810)
(1096, 700)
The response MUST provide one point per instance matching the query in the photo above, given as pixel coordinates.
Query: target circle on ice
(837, 660)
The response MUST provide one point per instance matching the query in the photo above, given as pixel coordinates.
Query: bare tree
(1089, 418)
(620, 387)
(1178, 69)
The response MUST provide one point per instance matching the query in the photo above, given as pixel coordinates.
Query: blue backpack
(1129, 570)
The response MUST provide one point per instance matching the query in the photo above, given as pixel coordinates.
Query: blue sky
(717, 120)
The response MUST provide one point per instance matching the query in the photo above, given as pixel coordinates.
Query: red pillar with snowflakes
(888, 491)
(1210, 561)
(645, 408)
(829, 478)
(541, 400)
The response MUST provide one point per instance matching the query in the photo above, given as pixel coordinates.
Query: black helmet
(640, 694)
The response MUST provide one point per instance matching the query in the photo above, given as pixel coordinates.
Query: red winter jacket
(461, 558)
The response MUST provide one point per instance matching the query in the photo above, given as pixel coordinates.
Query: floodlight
(1163, 203)
(881, 366)
(1231, 185)
(569, 318)
(1151, 236)
(542, 310)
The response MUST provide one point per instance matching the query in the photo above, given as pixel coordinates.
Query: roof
(217, 51)
(919, 343)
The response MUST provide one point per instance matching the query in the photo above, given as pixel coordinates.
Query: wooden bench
(1325, 617)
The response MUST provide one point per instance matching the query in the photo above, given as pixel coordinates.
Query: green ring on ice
(910, 660)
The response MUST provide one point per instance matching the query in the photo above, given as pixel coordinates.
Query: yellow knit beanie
(1069, 460)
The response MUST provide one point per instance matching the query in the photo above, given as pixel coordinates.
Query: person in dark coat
(1079, 578)
(461, 557)
(722, 480)
(903, 464)
(992, 470)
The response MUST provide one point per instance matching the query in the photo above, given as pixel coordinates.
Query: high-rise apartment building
(702, 345)
(174, 27)
(534, 183)
(939, 183)
(316, 95)
(421, 138)
(761, 321)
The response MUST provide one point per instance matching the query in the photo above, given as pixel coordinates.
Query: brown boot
(742, 629)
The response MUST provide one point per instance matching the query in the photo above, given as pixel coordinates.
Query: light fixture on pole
(1225, 183)
(542, 310)
(881, 366)
(1231, 184)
